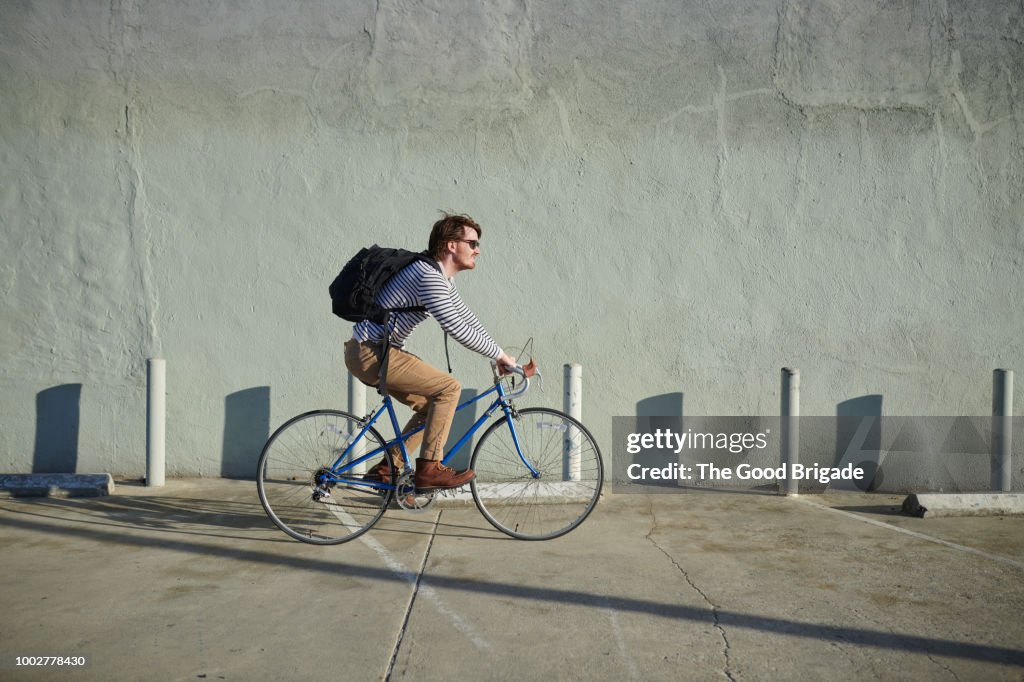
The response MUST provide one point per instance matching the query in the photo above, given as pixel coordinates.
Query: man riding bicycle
(431, 394)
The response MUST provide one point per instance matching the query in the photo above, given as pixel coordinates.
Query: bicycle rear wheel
(560, 497)
(291, 479)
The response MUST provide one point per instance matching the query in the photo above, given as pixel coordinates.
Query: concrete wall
(683, 197)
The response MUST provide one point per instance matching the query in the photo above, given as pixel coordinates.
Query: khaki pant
(430, 393)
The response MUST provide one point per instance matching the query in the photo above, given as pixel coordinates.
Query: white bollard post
(357, 406)
(1002, 429)
(573, 406)
(789, 423)
(156, 414)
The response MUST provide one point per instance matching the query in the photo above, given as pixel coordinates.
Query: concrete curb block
(56, 485)
(929, 505)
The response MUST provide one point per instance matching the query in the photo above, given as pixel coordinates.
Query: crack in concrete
(718, 102)
(788, 86)
(412, 601)
(429, 593)
(885, 626)
(941, 162)
(124, 28)
(716, 621)
(943, 666)
(140, 234)
(375, 33)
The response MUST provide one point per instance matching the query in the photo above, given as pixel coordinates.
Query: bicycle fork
(509, 418)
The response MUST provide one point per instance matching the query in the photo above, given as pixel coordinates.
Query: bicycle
(537, 479)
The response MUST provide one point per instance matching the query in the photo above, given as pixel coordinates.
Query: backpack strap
(382, 373)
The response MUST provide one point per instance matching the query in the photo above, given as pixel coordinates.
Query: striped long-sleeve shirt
(421, 284)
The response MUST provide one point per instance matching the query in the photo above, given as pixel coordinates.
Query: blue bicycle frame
(343, 473)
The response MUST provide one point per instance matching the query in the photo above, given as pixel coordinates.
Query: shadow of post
(58, 416)
(660, 411)
(859, 439)
(464, 419)
(663, 411)
(246, 428)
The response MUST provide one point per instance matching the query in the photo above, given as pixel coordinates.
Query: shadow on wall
(464, 419)
(859, 440)
(664, 405)
(658, 412)
(58, 414)
(246, 429)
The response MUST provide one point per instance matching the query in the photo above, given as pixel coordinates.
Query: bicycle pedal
(434, 491)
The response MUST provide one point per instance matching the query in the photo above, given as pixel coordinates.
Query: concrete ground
(192, 582)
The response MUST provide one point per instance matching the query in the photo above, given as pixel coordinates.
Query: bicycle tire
(537, 508)
(291, 459)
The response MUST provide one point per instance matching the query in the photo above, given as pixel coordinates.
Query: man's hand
(505, 362)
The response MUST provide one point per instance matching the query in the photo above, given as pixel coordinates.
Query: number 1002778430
(49, 661)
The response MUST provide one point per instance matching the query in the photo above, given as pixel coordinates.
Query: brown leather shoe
(432, 475)
(382, 472)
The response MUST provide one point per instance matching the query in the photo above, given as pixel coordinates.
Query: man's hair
(448, 229)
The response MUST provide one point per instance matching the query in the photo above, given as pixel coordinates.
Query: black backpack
(354, 291)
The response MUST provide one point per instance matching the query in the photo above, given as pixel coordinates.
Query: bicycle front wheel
(291, 479)
(557, 494)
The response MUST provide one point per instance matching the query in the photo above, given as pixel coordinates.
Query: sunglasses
(473, 243)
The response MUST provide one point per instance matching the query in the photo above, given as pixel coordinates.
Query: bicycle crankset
(408, 498)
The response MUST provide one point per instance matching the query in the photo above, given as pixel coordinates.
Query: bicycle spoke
(299, 452)
(565, 455)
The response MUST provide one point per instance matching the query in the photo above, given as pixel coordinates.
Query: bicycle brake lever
(527, 371)
(530, 370)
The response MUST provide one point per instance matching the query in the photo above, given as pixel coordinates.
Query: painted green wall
(683, 197)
